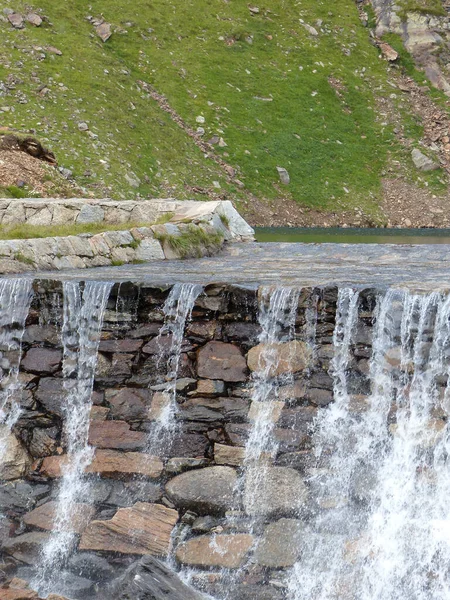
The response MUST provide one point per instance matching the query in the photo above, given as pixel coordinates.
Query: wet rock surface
(149, 579)
(190, 500)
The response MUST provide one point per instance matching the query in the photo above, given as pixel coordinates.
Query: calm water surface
(354, 235)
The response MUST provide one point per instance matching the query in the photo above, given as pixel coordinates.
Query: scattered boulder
(204, 491)
(388, 51)
(227, 551)
(104, 31)
(422, 162)
(142, 529)
(283, 175)
(34, 19)
(16, 20)
(150, 579)
(218, 360)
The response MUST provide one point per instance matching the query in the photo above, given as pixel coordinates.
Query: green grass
(25, 232)
(23, 259)
(429, 7)
(191, 242)
(213, 59)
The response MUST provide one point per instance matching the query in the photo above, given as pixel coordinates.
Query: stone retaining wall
(195, 489)
(57, 211)
(204, 226)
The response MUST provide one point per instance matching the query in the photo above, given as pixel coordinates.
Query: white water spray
(83, 320)
(380, 529)
(177, 311)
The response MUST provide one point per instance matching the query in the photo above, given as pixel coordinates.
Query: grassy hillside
(273, 90)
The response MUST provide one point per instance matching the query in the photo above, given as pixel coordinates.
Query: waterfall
(277, 314)
(380, 528)
(15, 299)
(177, 311)
(82, 324)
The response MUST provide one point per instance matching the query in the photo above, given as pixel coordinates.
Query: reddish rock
(103, 31)
(43, 517)
(115, 434)
(228, 551)
(16, 20)
(142, 529)
(53, 466)
(42, 360)
(110, 463)
(217, 360)
(34, 19)
(15, 594)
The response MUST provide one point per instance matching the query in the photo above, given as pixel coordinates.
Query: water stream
(15, 299)
(83, 318)
(177, 311)
(380, 530)
(277, 315)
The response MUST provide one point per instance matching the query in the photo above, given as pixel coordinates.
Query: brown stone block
(43, 517)
(111, 463)
(277, 359)
(217, 360)
(226, 551)
(116, 435)
(142, 529)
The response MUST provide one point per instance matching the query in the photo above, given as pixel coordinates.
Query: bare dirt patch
(19, 169)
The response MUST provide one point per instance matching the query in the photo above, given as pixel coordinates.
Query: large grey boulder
(204, 491)
(274, 491)
(422, 162)
(149, 579)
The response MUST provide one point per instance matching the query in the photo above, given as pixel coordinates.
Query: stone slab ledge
(218, 220)
(58, 211)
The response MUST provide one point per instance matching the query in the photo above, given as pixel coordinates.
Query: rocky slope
(301, 115)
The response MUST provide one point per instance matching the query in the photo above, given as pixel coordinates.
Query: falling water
(15, 299)
(277, 314)
(177, 311)
(83, 319)
(380, 529)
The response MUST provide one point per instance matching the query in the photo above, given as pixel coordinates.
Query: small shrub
(165, 218)
(225, 220)
(24, 259)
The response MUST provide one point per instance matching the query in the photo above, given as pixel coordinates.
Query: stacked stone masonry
(218, 220)
(185, 502)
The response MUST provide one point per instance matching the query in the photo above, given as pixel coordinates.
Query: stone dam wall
(186, 501)
(203, 447)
